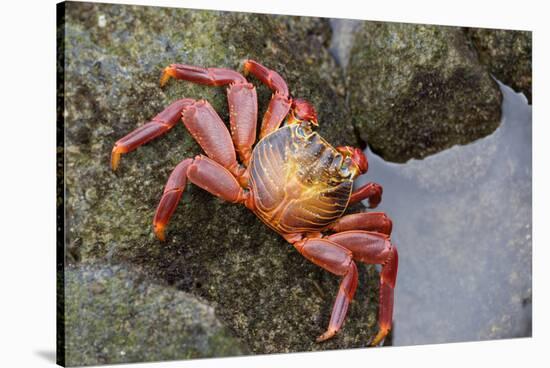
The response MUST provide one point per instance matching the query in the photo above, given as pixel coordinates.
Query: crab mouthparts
(357, 157)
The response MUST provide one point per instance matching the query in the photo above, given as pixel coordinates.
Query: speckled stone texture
(415, 90)
(508, 55)
(268, 296)
(115, 315)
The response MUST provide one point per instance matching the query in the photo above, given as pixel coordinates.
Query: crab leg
(202, 172)
(208, 129)
(337, 260)
(159, 125)
(197, 74)
(243, 118)
(280, 101)
(375, 248)
(370, 221)
(241, 96)
(370, 191)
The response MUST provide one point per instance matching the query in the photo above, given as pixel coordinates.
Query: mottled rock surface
(114, 315)
(416, 89)
(272, 299)
(508, 55)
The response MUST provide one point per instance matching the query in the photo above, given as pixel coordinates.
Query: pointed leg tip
(379, 337)
(159, 231)
(327, 335)
(167, 73)
(164, 79)
(160, 235)
(115, 159)
(247, 65)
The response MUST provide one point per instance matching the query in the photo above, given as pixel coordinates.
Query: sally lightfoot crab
(292, 179)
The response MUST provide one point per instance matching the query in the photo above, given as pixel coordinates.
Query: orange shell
(297, 181)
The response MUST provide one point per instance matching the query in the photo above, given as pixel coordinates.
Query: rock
(269, 296)
(417, 89)
(507, 54)
(113, 315)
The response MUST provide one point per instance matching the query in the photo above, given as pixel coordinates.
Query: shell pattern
(299, 182)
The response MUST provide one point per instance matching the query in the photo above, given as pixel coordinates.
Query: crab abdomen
(296, 181)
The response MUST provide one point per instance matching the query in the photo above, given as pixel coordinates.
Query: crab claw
(357, 156)
(303, 110)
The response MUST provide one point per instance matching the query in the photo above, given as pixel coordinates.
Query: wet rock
(113, 315)
(270, 297)
(507, 54)
(417, 89)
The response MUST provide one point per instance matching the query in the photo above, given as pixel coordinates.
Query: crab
(292, 179)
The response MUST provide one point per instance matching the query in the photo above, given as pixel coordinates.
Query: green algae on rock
(418, 89)
(113, 315)
(507, 54)
(270, 297)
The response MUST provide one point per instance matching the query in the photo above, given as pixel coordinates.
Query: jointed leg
(375, 248)
(280, 100)
(241, 96)
(243, 118)
(269, 77)
(197, 74)
(370, 191)
(159, 125)
(208, 129)
(202, 172)
(170, 197)
(338, 261)
(368, 221)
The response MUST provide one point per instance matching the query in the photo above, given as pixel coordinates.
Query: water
(462, 224)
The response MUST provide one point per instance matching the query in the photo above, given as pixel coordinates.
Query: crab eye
(303, 130)
(345, 168)
(344, 171)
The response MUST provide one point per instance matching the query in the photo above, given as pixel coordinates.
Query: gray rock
(269, 296)
(507, 54)
(416, 90)
(113, 315)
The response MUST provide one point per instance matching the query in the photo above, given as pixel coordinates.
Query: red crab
(292, 179)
